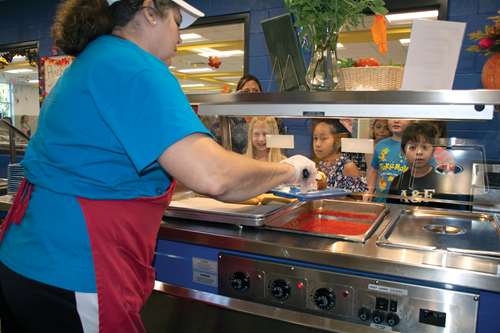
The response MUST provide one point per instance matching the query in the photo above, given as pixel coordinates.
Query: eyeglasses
(423, 147)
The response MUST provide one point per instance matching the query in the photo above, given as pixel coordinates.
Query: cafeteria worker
(77, 245)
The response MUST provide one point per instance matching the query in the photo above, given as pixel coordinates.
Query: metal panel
(340, 296)
(442, 104)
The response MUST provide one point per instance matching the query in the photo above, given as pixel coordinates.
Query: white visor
(188, 12)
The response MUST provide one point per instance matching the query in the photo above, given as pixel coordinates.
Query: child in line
(422, 180)
(378, 132)
(340, 171)
(259, 128)
(388, 162)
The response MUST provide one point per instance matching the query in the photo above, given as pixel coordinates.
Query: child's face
(323, 141)
(381, 130)
(419, 154)
(259, 136)
(397, 126)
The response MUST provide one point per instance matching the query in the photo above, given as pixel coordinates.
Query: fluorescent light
(16, 71)
(190, 36)
(405, 41)
(192, 85)
(33, 81)
(411, 16)
(193, 70)
(221, 54)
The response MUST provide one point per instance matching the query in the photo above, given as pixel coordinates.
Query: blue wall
(35, 19)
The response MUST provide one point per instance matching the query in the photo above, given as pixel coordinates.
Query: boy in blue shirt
(388, 161)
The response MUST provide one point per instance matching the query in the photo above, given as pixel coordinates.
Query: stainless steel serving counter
(305, 283)
(439, 267)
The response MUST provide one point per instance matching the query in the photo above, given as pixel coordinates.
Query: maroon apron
(123, 238)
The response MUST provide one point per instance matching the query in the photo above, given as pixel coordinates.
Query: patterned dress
(335, 174)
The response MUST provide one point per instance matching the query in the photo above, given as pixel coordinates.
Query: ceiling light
(193, 70)
(411, 16)
(340, 45)
(190, 36)
(405, 41)
(17, 71)
(221, 54)
(192, 85)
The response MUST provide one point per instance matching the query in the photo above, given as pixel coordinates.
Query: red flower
(487, 43)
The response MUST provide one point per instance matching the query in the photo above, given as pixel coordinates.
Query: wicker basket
(371, 78)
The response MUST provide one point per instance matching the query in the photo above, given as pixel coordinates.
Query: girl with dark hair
(78, 256)
(340, 171)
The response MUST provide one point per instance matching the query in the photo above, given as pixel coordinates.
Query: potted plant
(322, 21)
(489, 43)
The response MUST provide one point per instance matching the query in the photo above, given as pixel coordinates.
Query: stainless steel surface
(294, 218)
(298, 321)
(336, 295)
(438, 267)
(463, 232)
(445, 104)
(464, 97)
(183, 195)
(208, 209)
(225, 133)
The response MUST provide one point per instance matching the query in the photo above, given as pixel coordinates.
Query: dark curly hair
(417, 132)
(244, 79)
(79, 22)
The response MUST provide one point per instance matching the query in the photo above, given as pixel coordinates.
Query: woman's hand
(301, 163)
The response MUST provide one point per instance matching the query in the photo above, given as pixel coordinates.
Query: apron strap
(19, 206)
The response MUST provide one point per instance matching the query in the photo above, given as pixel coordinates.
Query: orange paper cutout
(379, 33)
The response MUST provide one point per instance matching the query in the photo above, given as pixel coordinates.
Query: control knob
(378, 317)
(364, 314)
(392, 319)
(280, 289)
(240, 281)
(324, 298)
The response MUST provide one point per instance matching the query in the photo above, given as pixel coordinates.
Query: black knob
(280, 289)
(378, 317)
(324, 298)
(240, 281)
(392, 319)
(364, 314)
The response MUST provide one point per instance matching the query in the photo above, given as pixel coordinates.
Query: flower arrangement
(489, 41)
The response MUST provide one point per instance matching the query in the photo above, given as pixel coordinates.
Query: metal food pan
(289, 221)
(211, 210)
(452, 231)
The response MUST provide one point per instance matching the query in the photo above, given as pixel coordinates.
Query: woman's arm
(203, 166)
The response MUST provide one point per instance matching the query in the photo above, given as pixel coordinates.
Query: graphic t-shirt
(390, 163)
(431, 186)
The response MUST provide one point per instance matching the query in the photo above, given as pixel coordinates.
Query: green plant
(489, 40)
(329, 16)
(392, 63)
(346, 63)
